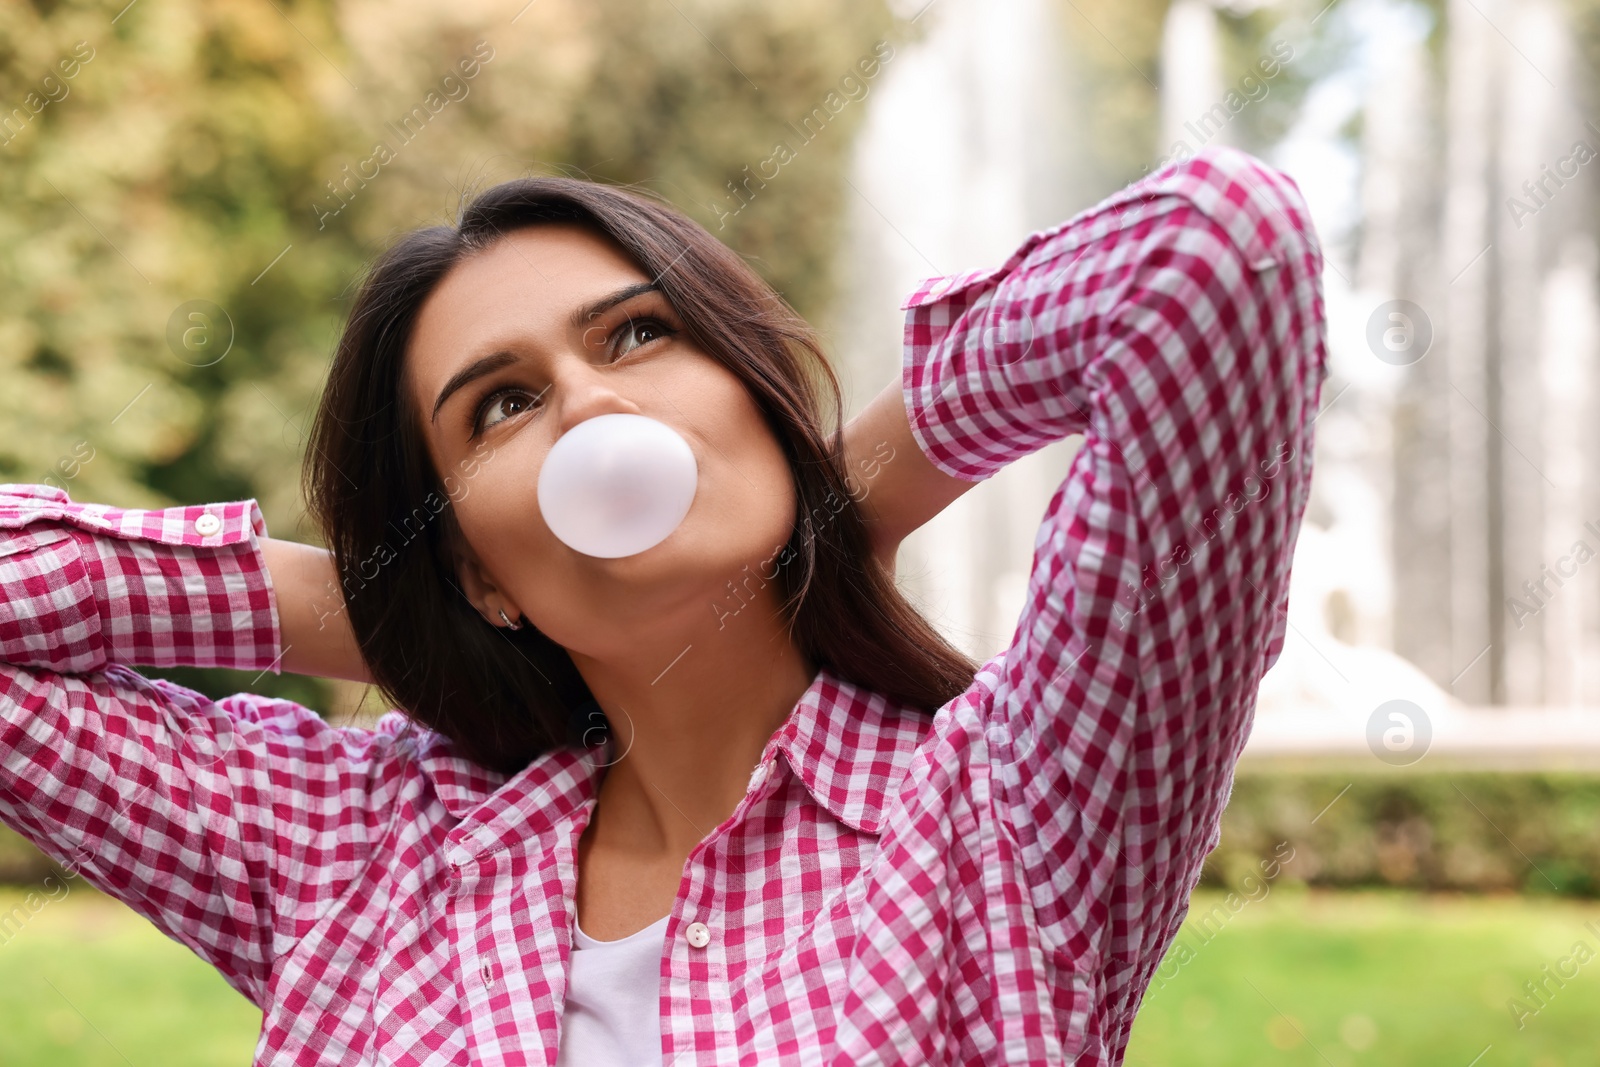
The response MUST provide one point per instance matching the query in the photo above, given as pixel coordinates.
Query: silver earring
(508, 622)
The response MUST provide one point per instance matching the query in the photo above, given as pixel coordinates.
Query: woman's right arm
(316, 629)
(229, 824)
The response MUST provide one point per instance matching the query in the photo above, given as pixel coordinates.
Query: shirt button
(698, 936)
(207, 524)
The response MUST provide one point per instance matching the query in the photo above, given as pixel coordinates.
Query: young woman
(729, 800)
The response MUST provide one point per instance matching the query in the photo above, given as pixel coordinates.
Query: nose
(584, 392)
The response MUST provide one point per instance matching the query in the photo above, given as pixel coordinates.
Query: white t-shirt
(612, 1016)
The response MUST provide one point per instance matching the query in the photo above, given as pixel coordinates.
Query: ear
(480, 588)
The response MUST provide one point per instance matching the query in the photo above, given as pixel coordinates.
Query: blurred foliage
(1467, 831)
(255, 154)
(230, 153)
(1113, 52)
(1583, 21)
(91, 983)
(1478, 831)
(1249, 36)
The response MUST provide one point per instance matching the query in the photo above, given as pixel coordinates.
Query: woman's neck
(691, 716)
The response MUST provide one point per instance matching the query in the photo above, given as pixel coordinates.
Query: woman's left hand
(894, 484)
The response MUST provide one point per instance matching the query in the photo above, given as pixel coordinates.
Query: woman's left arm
(903, 492)
(1179, 327)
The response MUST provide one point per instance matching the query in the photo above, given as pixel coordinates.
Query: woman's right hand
(314, 627)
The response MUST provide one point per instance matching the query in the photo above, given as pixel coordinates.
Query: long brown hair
(504, 697)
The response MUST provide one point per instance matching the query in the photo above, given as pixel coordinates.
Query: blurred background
(1410, 860)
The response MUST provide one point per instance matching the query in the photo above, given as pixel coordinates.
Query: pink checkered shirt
(992, 884)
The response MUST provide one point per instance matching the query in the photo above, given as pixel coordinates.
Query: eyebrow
(469, 374)
(606, 303)
(478, 368)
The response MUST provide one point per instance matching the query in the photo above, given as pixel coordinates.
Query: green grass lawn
(89, 982)
(1296, 978)
(1377, 978)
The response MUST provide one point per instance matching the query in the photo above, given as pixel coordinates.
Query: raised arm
(199, 586)
(1179, 327)
(316, 629)
(902, 494)
(232, 824)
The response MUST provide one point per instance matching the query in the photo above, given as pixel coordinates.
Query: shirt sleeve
(88, 584)
(232, 825)
(1178, 326)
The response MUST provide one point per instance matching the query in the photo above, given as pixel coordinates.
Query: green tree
(183, 219)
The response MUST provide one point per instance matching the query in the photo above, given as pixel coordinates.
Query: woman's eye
(636, 333)
(501, 406)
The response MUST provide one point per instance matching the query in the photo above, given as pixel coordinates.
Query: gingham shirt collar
(848, 746)
(844, 744)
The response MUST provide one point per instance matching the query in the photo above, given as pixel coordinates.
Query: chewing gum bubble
(617, 484)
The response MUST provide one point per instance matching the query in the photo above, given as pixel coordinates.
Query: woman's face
(550, 326)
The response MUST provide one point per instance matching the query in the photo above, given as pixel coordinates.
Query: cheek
(498, 509)
(750, 483)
